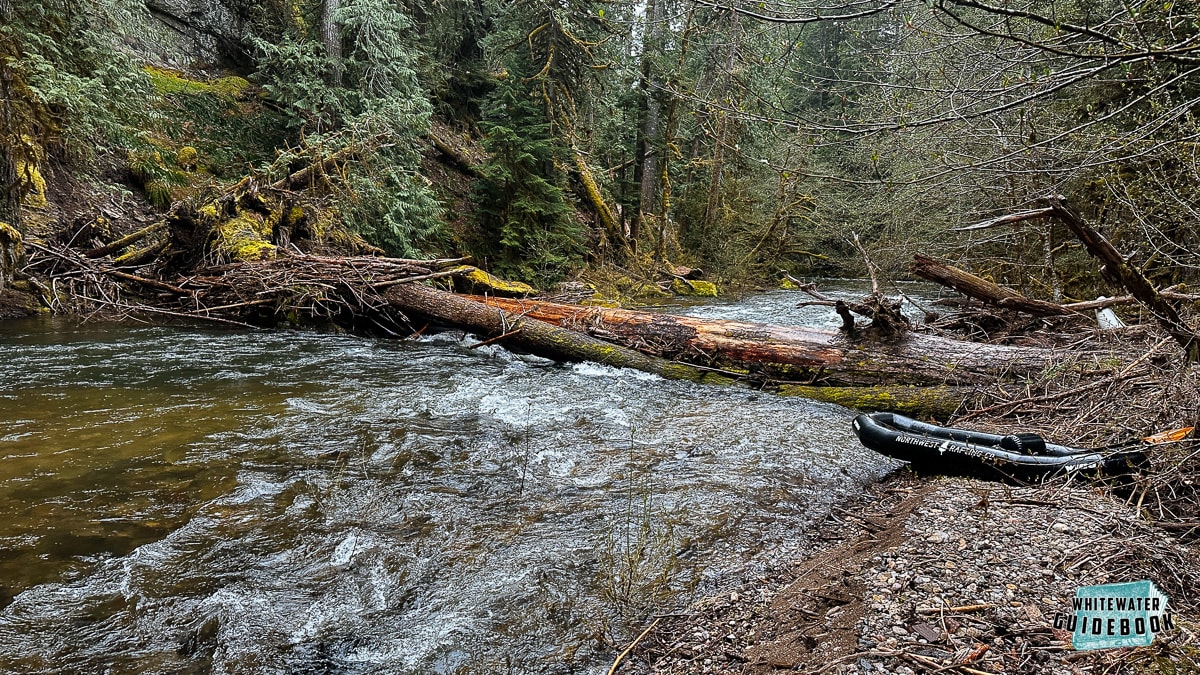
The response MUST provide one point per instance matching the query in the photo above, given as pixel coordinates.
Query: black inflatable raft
(1022, 457)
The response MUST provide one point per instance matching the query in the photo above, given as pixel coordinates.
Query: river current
(193, 501)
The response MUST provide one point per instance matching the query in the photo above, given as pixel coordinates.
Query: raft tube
(1022, 457)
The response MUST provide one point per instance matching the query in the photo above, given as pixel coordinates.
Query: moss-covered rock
(700, 289)
(167, 82)
(187, 158)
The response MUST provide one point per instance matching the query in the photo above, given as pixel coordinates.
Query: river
(193, 501)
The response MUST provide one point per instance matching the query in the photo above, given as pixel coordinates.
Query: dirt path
(941, 575)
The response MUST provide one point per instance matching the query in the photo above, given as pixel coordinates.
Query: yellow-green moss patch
(700, 289)
(482, 281)
(939, 402)
(187, 158)
(245, 237)
(172, 82)
(34, 184)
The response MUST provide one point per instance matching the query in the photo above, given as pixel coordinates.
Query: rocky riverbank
(932, 575)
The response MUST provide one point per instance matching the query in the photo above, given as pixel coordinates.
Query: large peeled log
(770, 354)
(673, 347)
(525, 334)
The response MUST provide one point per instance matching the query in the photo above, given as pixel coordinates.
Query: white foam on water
(344, 553)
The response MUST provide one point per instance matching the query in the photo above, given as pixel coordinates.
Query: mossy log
(455, 155)
(127, 240)
(524, 334)
(611, 227)
(774, 355)
(938, 402)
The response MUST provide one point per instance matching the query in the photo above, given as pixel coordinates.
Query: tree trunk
(772, 355)
(649, 148)
(668, 148)
(981, 289)
(10, 184)
(524, 334)
(331, 39)
(608, 222)
(716, 183)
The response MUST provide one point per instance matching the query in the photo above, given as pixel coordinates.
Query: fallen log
(523, 330)
(456, 156)
(981, 289)
(770, 355)
(526, 334)
(127, 240)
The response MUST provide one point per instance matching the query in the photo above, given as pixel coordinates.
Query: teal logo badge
(1116, 615)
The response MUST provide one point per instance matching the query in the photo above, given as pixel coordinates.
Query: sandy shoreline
(940, 575)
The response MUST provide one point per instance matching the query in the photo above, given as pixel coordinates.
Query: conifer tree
(522, 206)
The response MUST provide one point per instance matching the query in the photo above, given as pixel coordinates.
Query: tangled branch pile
(295, 288)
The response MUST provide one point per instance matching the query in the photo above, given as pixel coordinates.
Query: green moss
(187, 158)
(717, 378)
(649, 291)
(601, 302)
(701, 289)
(10, 253)
(481, 281)
(34, 183)
(245, 237)
(295, 215)
(682, 371)
(9, 234)
(938, 402)
(168, 82)
(788, 285)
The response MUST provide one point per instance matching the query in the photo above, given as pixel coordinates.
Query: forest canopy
(746, 137)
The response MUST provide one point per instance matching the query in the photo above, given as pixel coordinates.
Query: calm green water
(284, 502)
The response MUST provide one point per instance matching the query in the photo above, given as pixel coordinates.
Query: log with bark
(526, 334)
(771, 354)
(791, 361)
(981, 289)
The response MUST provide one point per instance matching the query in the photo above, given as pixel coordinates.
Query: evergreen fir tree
(520, 202)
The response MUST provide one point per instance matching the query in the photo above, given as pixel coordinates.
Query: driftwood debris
(887, 321)
(1115, 267)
